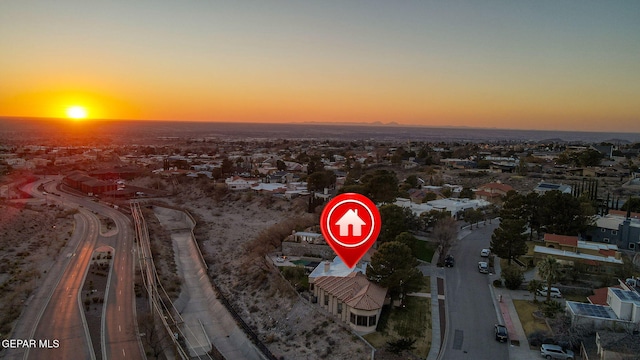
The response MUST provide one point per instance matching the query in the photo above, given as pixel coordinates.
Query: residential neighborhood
(549, 215)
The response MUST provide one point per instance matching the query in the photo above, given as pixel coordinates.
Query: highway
(470, 310)
(58, 314)
(63, 317)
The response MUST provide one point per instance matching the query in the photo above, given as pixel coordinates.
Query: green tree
(632, 204)
(513, 277)
(382, 186)
(508, 240)
(394, 222)
(320, 180)
(549, 270)
(394, 267)
(409, 240)
(562, 214)
(227, 166)
(412, 181)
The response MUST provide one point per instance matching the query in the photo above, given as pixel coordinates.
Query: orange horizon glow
(510, 66)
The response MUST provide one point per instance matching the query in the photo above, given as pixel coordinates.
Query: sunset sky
(556, 65)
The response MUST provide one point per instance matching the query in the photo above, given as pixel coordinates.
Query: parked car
(555, 292)
(501, 333)
(448, 261)
(485, 252)
(483, 267)
(556, 352)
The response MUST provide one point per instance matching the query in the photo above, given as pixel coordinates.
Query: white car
(555, 292)
(483, 267)
(485, 252)
(555, 352)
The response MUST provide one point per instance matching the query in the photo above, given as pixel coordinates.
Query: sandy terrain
(235, 233)
(32, 237)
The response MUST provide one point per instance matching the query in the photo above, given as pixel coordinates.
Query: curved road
(63, 318)
(470, 309)
(61, 315)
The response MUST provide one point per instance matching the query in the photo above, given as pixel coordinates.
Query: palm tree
(549, 270)
(533, 287)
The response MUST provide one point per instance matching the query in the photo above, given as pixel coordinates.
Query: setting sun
(77, 112)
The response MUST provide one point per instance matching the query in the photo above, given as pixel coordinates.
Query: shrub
(513, 277)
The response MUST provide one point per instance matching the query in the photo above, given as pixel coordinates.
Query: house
(617, 345)
(305, 243)
(350, 219)
(569, 250)
(619, 228)
(454, 206)
(543, 187)
(621, 310)
(238, 183)
(348, 295)
(493, 192)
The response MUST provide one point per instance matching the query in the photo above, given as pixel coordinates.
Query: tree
(467, 193)
(431, 218)
(227, 166)
(382, 186)
(472, 216)
(394, 222)
(445, 233)
(513, 277)
(281, 165)
(632, 204)
(549, 270)
(156, 336)
(409, 240)
(533, 287)
(562, 214)
(508, 240)
(320, 180)
(394, 267)
(412, 181)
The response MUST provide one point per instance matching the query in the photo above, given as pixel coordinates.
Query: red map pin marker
(350, 224)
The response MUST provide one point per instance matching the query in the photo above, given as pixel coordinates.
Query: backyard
(411, 322)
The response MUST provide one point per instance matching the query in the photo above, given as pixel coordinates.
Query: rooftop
(354, 290)
(571, 254)
(591, 310)
(337, 268)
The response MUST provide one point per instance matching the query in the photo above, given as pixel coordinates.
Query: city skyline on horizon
(571, 66)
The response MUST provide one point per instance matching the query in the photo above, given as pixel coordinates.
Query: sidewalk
(507, 314)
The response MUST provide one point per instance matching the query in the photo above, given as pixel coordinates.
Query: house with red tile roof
(570, 250)
(493, 192)
(352, 298)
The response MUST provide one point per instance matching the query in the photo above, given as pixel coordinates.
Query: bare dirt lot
(31, 239)
(235, 231)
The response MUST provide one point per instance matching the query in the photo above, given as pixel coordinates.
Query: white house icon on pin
(350, 218)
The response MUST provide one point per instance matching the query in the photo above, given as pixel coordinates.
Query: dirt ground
(235, 231)
(31, 240)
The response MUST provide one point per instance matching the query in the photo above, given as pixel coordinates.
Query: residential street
(471, 315)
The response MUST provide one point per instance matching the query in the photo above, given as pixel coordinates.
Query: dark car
(501, 333)
(448, 261)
